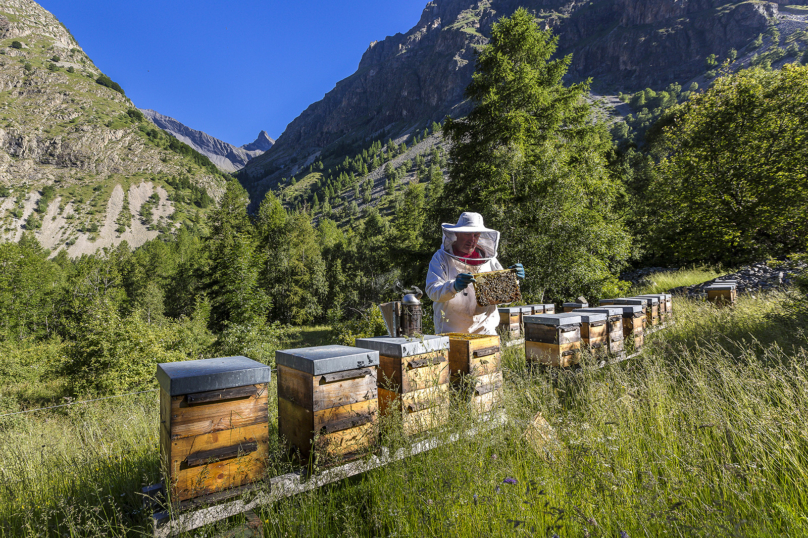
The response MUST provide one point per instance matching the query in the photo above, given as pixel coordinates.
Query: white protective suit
(457, 311)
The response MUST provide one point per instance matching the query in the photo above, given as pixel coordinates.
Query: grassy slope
(705, 434)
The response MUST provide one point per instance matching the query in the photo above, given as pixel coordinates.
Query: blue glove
(463, 280)
(520, 271)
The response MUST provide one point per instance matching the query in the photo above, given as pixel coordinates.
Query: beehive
(549, 308)
(651, 312)
(497, 287)
(571, 307)
(510, 322)
(633, 324)
(327, 401)
(594, 331)
(536, 309)
(524, 311)
(474, 359)
(553, 339)
(722, 294)
(413, 379)
(662, 304)
(614, 323)
(214, 426)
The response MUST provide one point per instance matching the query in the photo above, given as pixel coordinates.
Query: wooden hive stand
(614, 327)
(553, 339)
(328, 402)
(214, 426)
(510, 322)
(413, 379)
(475, 369)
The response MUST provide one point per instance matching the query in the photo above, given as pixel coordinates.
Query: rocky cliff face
(226, 157)
(408, 80)
(79, 166)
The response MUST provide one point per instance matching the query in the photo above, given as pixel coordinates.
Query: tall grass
(664, 281)
(705, 434)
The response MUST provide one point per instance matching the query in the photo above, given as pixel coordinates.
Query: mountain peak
(262, 143)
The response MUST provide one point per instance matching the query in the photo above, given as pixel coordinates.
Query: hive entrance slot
(205, 456)
(222, 394)
(341, 376)
(485, 351)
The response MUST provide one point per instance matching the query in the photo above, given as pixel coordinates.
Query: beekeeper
(468, 248)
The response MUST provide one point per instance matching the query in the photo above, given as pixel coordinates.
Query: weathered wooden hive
(571, 307)
(510, 323)
(722, 294)
(663, 307)
(214, 426)
(413, 379)
(475, 368)
(536, 309)
(633, 324)
(327, 401)
(651, 312)
(594, 331)
(549, 308)
(553, 339)
(614, 327)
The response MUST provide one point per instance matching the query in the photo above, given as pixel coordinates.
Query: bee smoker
(403, 318)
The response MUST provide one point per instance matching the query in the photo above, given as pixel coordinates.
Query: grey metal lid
(326, 359)
(189, 377)
(548, 305)
(721, 287)
(649, 300)
(568, 318)
(510, 310)
(576, 305)
(591, 317)
(403, 347)
(526, 309)
(725, 281)
(624, 300)
(539, 307)
(629, 308)
(604, 309)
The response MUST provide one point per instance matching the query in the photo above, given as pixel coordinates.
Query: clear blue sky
(230, 68)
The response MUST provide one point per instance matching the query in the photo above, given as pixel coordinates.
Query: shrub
(56, 59)
(136, 114)
(107, 82)
(16, 45)
(53, 67)
(71, 69)
(28, 67)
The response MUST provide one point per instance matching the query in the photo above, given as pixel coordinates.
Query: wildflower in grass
(510, 481)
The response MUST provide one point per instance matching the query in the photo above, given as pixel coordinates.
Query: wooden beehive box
(651, 312)
(413, 379)
(572, 307)
(633, 324)
(669, 306)
(549, 308)
(662, 304)
(594, 331)
(510, 323)
(497, 287)
(214, 426)
(474, 364)
(722, 294)
(327, 401)
(553, 339)
(614, 327)
(536, 309)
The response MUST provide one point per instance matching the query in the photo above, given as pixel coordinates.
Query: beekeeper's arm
(439, 287)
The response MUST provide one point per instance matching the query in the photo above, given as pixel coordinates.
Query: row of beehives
(214, 422)
(607, 330)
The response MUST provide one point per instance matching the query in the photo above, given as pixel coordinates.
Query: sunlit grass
(668, 280)
(706, 434)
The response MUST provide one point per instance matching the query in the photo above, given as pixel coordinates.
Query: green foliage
(732, 55)
(530, 158)
(757, 43)
(368, 325)
(16, 45)
(732, 188)
(52, 67)
(107, 82)
(711, 61)
(71, 69)
(28, 67)
(56, 58)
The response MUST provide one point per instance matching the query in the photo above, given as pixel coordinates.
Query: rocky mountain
(80, 166)
(406, 81)
(226, 157)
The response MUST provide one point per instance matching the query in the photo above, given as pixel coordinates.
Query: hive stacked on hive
(594, 331)
(474, 364)
(213, 424)
(413, 379)
(510, 321)
(327, 401)
(571, 307)
(553, 339)
(651, 312)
